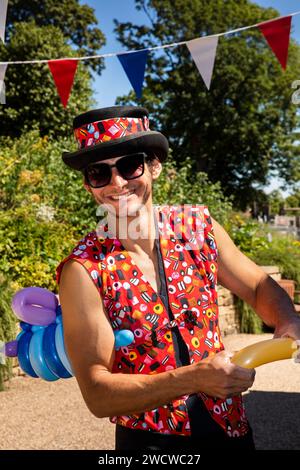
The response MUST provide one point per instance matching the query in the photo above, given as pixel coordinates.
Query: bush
(252, 239)
(33, 176)
(7, 326)
(250, 322)
(283, 251)
(184, 186)
(247, 234)
(41, 204)
(31, 249)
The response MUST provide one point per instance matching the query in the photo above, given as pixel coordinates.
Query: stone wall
(228, 316)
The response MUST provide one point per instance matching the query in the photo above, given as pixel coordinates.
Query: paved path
(35, 414)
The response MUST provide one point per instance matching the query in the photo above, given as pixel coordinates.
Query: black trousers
(138, 440)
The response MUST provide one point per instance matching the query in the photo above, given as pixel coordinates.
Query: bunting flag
(277, 34)
(203, 52)
(3, 12)
(63, 72)
(3, 68)
(134, 65)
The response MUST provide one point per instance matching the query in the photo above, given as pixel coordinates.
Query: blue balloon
(60, 346)
(37, 358)
(19, 335)
(123, 338)
(58, 310)
(25, 326)
(50, 353)
(35, 328)
(41, 348)
(24, 340)
(59, 319)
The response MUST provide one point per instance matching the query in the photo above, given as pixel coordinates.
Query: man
(153, 272)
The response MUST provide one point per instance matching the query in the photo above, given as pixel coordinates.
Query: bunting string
(164, 46)
(202, 49)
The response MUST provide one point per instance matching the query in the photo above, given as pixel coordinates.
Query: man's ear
(156, 168)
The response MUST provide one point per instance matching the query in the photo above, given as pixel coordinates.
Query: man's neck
(136, 232)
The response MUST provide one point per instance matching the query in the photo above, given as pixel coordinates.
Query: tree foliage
(294, 199)
(183, 186)
(46, 30)
(31, 95)
(239, 132)
(77, 23)
(276, 202)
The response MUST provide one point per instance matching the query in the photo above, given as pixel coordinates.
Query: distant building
(285, 221)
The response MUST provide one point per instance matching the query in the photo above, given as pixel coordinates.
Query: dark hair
(151, 157)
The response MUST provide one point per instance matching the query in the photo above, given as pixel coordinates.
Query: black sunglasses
(129, 167)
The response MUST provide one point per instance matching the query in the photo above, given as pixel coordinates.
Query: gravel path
(52, 415)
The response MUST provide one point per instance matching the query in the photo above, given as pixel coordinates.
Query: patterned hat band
(109, 129)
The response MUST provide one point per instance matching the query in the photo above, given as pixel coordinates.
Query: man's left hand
(290, 328)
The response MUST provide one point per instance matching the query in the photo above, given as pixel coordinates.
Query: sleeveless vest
(190, 261)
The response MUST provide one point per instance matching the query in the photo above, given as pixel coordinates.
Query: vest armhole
(209, 245)
(82, 262)
(63, 263)
(88, 263)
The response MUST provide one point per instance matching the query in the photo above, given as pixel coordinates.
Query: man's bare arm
(249, 282)
(89, 343)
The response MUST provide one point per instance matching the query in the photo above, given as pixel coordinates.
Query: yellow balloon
(265, 351)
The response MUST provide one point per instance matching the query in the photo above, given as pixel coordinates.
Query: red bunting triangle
(277, 34)
(63, 72)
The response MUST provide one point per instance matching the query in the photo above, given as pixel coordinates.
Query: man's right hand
(221, 378)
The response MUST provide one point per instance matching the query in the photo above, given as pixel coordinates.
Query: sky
(113, 82)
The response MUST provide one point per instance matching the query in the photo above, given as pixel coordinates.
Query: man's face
(126, 197)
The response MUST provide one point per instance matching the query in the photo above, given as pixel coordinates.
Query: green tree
(276, 202)
(38, 30)
(293, 200)
(239, 132)
(77, 23)
(183, 186)
(31, 95)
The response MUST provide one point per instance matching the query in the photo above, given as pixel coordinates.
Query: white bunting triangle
(3, 68)
(3, 11)
(203, 51)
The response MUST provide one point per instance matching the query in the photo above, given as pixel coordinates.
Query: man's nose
(116, 179)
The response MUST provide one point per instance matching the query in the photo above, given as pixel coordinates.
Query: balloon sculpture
(265, 351)
(40, 345)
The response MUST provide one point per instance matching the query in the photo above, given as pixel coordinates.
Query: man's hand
(223, 378)
(290, 328)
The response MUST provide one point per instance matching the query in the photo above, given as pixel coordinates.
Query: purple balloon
(35, 305)
(11, 348)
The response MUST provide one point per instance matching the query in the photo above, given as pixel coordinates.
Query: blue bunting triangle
(134, 65)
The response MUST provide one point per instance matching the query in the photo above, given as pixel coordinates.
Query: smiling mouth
(118, 197)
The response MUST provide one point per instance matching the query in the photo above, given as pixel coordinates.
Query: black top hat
(113, 132)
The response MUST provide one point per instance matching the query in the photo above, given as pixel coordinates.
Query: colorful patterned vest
(190, 261)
